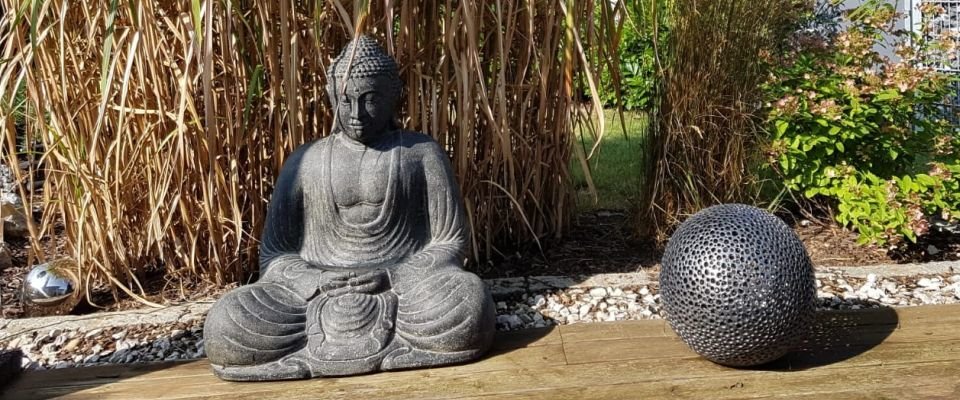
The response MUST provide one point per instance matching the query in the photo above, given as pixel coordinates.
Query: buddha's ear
(398, 102)
(332, 92)
(331, 89)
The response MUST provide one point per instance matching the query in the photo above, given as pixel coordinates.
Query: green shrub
(638, 60)
(864, 132)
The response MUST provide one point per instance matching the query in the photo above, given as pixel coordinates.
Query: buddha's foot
(295, 366)
(405, 358)
(283, 369)
(301, 365)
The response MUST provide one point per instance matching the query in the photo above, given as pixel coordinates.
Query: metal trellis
(946, 23)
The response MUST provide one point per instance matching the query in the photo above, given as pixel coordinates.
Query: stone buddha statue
(361, 258)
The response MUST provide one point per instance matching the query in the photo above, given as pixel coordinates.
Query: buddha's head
(364, 97)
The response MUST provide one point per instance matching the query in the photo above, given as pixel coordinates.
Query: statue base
(301, 365)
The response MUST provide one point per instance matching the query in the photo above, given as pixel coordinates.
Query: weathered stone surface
(361, 256)
(9, 365)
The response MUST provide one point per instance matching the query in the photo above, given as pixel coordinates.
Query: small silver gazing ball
(50, 289)
(737, 285)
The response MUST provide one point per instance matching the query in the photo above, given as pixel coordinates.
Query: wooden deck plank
(626, 349)
(196, 377)
(506, 342)
(908, 381)
(867, 351)
(647, 375)
(456, 381)
(584, 332)
(924, 314)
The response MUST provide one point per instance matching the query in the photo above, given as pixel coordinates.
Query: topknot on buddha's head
(370, 60)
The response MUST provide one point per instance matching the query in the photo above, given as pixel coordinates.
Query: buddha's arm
(282, 237)
(447, 224)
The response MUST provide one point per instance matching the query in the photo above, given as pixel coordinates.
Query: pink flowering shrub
(866, 132)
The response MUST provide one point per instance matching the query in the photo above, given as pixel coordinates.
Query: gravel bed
(184, 340)
(59, 348)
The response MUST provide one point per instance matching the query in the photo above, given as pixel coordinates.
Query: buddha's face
(365, 108)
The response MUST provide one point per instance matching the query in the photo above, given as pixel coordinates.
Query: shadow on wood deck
(876, 353)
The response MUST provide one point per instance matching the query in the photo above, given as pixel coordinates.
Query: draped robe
(433, 312)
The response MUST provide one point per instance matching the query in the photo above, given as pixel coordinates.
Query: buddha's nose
(356, 112)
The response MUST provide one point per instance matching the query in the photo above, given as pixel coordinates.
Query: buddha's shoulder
(305, 159)
(308, 150)
(420, 143)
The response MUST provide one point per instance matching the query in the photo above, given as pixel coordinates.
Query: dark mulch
(597, 242)
(831, 245)
(602, 242)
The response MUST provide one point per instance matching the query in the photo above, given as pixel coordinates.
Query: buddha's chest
(360, 182)
(360, 177)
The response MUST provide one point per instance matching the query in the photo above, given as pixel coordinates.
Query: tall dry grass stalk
(165, 123)
(704, 138)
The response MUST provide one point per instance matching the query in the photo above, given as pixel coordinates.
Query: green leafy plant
(644, 23)
(865, 132)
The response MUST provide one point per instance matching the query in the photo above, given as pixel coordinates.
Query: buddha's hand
(372, 282)
(299, 278)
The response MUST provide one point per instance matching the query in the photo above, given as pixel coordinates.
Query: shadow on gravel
(839, 335)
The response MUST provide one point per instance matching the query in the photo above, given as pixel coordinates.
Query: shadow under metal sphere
(49, 289)
(737, 285)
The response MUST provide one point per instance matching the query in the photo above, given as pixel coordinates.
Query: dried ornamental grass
(165, 123)
(703, 146)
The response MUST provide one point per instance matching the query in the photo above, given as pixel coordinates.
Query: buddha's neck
(352, 144)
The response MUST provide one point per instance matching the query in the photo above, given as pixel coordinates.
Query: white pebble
(890, 287)
(584, 310)
(177, 334)
(539, 301)
(928, 283)
(598, 292)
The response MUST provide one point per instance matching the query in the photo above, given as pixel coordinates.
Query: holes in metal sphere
(737, 285)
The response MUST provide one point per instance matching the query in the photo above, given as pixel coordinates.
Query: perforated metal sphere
(49, 289)
(737, 285)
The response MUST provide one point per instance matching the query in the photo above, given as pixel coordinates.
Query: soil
(597, 242)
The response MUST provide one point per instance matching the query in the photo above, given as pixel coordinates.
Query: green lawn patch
(615, 166)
